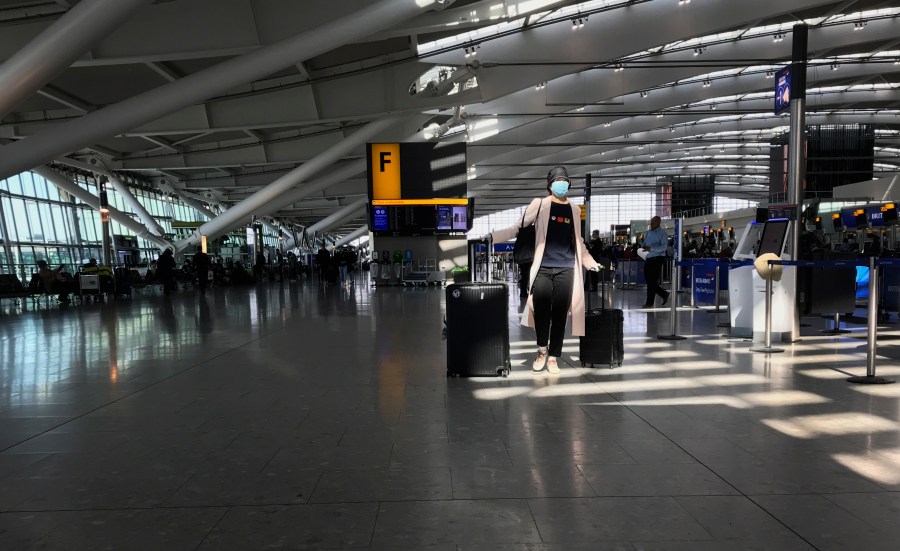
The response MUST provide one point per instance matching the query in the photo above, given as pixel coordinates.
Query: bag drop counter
(747, 290)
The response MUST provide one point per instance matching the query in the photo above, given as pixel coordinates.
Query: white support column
(333, 219)
(352, 236)
(321, 183)
(52, 51)
(257, 202)
(5, 229)
(200, 86)
(136, 207)
(193, 203)
(85, 196)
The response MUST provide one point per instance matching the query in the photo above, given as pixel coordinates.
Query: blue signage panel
(380, 218)
(783, 91)
(705, 283)
(875, 216)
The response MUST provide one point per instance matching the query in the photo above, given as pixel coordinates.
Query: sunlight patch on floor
(831, 424)
(783, 398)
(879, 465)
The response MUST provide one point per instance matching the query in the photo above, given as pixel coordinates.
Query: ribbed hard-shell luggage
(603, 341)
(478, 330)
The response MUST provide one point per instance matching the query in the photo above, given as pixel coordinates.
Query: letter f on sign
(384, 170)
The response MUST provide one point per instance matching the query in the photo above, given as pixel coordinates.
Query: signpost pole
(797, 156)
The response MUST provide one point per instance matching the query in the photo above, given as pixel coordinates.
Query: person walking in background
(259, 267)
(202, 264)
(595, 247)
(165, 271)
(655, 244)
(555, 278)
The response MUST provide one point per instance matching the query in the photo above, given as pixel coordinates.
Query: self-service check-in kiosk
(746, 289)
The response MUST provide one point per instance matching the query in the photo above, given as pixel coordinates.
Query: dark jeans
(202, 279)
(652, 273)
(552, 290)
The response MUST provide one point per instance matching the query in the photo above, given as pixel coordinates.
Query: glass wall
(40, 222)
(606, 211)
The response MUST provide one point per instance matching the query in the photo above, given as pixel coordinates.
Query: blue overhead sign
(783, 90)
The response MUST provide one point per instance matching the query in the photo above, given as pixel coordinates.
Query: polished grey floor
(296, 417)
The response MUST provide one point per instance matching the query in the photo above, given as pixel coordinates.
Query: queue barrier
(872, 335)
(715, 279)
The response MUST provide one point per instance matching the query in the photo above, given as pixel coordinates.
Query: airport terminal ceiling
(627, 90)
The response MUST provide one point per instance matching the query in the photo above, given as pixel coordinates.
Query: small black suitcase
(603, 341)
(478, 330)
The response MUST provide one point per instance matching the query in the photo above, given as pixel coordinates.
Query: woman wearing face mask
(555, 279)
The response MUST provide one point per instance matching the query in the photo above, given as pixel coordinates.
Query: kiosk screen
(772, 240)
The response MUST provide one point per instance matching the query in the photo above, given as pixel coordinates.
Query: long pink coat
(583, 259)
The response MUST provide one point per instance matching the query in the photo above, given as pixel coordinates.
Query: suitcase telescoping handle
(489, 250)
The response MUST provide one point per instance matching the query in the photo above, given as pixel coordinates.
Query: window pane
(15, 185)
(27, 184)
(34, 222)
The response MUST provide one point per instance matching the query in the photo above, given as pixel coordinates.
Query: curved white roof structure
(220, 98)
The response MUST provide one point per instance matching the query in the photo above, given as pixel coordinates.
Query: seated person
(53, 281)
(107, 278)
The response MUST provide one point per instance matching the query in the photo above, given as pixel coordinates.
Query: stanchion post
(673, 310)
(718, 291)
(836, 330)
(693, 282)
(871, 341)
(627, 274)
(767, 348)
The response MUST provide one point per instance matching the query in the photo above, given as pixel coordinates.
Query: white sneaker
(552, 366)
(540, 359)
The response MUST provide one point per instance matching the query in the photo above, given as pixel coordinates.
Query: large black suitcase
(477, 330)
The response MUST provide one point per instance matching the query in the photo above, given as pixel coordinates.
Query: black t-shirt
(560, 248)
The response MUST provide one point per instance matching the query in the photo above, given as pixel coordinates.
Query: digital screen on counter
(772, 239)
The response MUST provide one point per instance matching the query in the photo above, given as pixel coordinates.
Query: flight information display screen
(422, 220)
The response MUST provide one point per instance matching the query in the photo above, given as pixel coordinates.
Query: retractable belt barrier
(673, 307)
(872, 336)
(718, 264)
